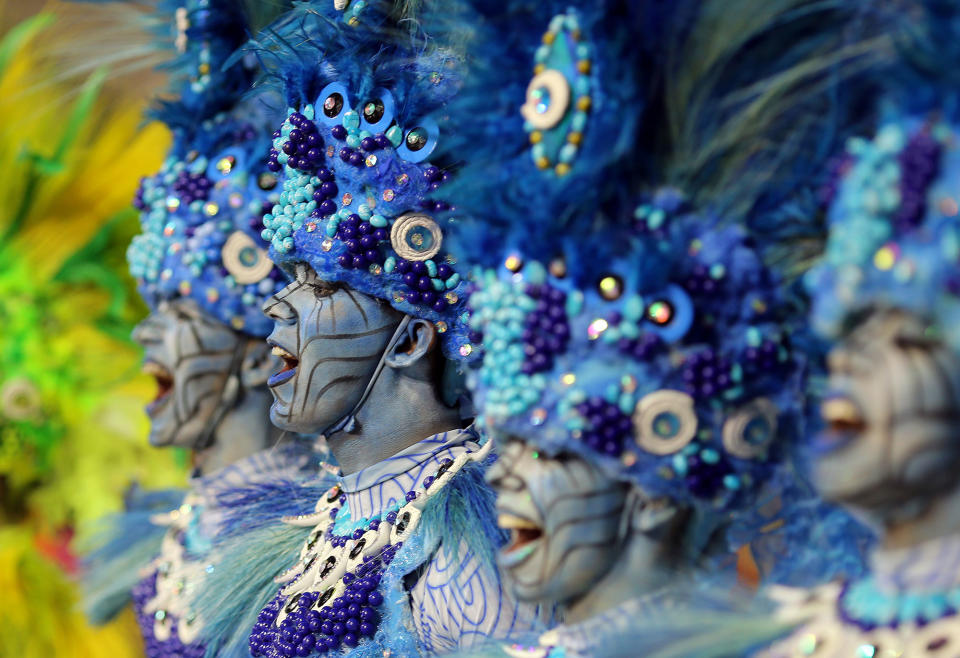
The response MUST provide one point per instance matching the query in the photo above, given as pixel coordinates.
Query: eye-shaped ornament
(245, 261)
(548, 97)
(749, 430)
(664, 422)
(419, 141)
(416, 237)
(377, 112)
(331, 104)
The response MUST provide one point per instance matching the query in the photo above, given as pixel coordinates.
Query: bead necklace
(330, 597)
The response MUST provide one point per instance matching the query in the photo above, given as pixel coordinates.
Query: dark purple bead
(350, 640)
(423, 283)
(444, 271)
(324, 174)
(410, 496)
(383, 141)
(374, 598)
(391, 517)
(369, 144)
(440, 305)
(345, 154)
(429, 297)
(339, 132)
(356, 159)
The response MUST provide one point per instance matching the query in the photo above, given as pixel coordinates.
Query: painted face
(190, 354)
(331, 339)
(893, 415)
(564, 517)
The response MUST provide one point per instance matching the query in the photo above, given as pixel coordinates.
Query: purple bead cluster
(642, 348)
(354, 157)
(608, 427)
(419, 283)
(763, 359)
(324, 194)
(143, 592)
(191, 187)
(362, 240)
(919, 164)
(705, 478)
(304, 146)
(547, 330)
(317, 625)
(699, 282)
(705, 374)
(435, 178)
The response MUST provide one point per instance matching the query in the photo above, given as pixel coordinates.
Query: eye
(332, 103)
(548, 97)
(750, 429)
(245, 261)
(664, 422)
(670, 313)
(378, 111)
(418, 142)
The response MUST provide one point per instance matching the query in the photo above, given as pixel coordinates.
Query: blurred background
(73, 146)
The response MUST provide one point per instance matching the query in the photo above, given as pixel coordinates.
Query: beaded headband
(894, 239)
(201, 222)
(672, 368)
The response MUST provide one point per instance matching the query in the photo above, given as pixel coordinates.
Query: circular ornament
(247, 262)
(664, 422)
(416, 237)
(750, 429)
(19, 399)
(548, 97)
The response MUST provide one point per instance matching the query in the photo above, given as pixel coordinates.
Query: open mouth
(290, 363)
(164, 379)
(524, 535)
(844, 422)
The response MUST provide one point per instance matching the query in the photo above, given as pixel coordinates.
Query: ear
(647, 515)
(414, 346)
(258, 364)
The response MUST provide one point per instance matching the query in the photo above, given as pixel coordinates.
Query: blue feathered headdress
(354, 159)
(201, 213)
(201, 222)
(894, 239)
(671, 368)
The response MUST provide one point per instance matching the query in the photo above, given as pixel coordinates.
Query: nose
(278, 309)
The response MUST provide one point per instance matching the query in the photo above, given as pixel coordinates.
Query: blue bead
(375, 598)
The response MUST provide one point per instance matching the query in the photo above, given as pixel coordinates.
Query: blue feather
(119, 546)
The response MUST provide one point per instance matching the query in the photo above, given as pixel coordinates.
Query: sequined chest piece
(167, 624)
(330, 599)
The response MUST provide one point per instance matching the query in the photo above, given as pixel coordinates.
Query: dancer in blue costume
(885, 295)
(398, 556)
(642, 366)
(204, 270)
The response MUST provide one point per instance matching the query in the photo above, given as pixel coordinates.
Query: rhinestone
(235, 200)
(596, 328)
(347, 198)
(402, 180)
(329, 151)
(166, 274)
(611, 287)
(452, 298)
(185, 288)
(371, 160)
(327, 244)
(225, 165)
(398, 296)
(628, 383)
(466, 350)
(513, 263)
(388, 195)
(211, 208)
(538, 416)
(160, 615)
(212, 295)
(311, 227)
(169, 229)
(236, 322)
(568, 379)
(441, 327)
(172, 203)
(558, 268)
(375, 269)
